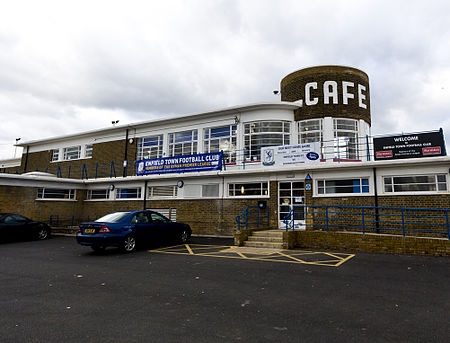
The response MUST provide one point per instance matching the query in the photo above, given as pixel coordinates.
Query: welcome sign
(180, 164)
(425, 144)
(289, 155)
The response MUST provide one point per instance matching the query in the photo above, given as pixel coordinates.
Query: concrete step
(271, 245)
(268, 233)
(265, 239)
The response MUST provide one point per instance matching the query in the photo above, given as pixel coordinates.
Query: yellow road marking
(189, 249)
(199, 249)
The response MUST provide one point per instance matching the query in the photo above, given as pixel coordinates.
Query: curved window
(310, 131)
(264, 133)
(345, 138)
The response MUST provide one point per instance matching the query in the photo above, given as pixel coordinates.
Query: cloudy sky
(69, 66)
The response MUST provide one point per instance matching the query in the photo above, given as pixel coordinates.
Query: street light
(15, 150)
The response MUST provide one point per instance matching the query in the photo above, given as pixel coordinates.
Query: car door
(14, 225)
(142, 226)
(161, 225)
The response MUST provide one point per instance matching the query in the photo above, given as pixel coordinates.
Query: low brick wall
(367, 242)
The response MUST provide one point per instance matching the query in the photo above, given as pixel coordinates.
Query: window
(265, 133)
(56, 194)
(158, 218)
(55, 155)
(221, 138)
(88, 151)
(72, 153)
(162, 191)
(345, 138)
(248, 189)
(183, 143)
(150, 147)
(310, 131)
(415, 183)
(128, 193)
(210, 191)
(93, 194)
(343, 186)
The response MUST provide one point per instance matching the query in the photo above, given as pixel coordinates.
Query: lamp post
(15, 150)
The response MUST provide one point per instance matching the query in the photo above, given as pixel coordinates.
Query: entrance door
(290, 194)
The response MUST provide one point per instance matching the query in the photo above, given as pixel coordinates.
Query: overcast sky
(70, 66)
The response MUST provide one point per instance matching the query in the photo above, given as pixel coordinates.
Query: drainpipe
(377, 214)
(145, 194)
(125, 157)
(26, 159)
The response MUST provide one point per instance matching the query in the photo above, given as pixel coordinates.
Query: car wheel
(97, 248)
(184, 236)
(42, 233)
(129, 244)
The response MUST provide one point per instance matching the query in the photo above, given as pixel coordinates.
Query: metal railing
(343, 149)
(57, 220)
(253, 215)
(428, 222)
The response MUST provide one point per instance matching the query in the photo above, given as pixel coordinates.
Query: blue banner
(180, 164)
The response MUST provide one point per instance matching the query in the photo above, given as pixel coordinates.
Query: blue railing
(371, 219)
(57, 220)
(253, 215)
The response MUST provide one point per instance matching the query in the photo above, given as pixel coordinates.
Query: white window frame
(68, 151)
(254, 155)
(436, 184)
(89, 194)
(361, 185)
(154, 151)
(88, 149)
(119, 191)
(151, 190)
(42, 193)
(229, 154)
(237, 192)
(341, 134)
(304, 129)
(191, 144)
(55, 155)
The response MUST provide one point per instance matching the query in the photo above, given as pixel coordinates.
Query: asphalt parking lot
(58, 291)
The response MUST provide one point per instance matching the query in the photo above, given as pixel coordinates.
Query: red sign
(435, 150)
(384, 154)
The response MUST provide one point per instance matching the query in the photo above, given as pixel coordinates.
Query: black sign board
(414, 145)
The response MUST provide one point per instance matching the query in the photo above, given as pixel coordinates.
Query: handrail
(244, 219)
(371, 218)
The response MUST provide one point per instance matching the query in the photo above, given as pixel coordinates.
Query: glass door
(290, 194)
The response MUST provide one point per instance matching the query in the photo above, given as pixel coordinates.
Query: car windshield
(112, 217)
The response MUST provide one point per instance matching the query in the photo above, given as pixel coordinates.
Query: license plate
(89, 230)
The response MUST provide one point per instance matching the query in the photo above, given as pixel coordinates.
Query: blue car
(127, 230)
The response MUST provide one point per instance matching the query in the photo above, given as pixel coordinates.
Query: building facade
(314, 147)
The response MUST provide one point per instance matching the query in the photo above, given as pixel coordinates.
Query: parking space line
(288, 256)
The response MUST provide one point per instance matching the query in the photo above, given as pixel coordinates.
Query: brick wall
(369, 243)
(102, 153)
(293, 89)
(22, 200)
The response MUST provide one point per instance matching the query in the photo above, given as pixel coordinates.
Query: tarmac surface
(58, 291)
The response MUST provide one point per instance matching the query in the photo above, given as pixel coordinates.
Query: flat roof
(171, 119)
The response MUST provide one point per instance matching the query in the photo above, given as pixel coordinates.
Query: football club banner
(180, 164)
(290, 155)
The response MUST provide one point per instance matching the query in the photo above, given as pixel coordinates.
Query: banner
(180, 164)
(289, 155)
(409, 146)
